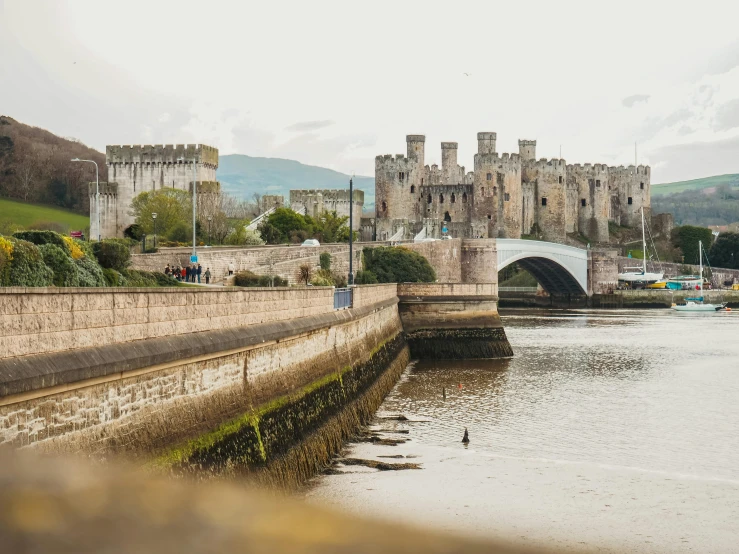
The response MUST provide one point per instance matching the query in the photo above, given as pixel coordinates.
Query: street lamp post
(351, 232)
(154, 217)
(194, 206)
(210, 218)
(97, 190)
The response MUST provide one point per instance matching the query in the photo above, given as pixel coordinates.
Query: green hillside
(13, 213)
(731, 180)
(242, 176)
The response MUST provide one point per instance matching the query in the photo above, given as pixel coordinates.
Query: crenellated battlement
(449, 145)
(161, 153)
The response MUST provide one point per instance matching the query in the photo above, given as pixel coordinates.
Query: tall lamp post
(97, 190)
(210, 218)
(194, 257)
(351, 231)
(154, 217)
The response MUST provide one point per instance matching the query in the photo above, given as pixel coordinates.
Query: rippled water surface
(610, 430)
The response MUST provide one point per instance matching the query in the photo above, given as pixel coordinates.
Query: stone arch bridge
(560, 269)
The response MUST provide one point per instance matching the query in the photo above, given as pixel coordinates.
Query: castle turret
(449, 162)
(486, 143)
(527, 149)
(416, 145)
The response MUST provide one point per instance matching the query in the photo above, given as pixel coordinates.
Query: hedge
(65, 272)
(43, 237)
(90, 273)
(27, 268)
(250, 279)
(395, 264)
(112, 254)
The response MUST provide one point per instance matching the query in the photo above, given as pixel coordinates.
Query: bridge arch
(560, 269)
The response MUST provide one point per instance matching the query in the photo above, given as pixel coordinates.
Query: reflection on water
(637, 407)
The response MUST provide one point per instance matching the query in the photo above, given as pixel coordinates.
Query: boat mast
(643, 243)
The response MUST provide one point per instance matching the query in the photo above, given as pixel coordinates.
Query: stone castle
(316, 202)
(507, 195)
(135, 169)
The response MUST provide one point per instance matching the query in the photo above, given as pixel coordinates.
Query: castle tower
(416, 146)
(398, 182)
(550, 204)
(147, 168)
(592, 201)
(486, 142)
(527, 149)
(449, 163)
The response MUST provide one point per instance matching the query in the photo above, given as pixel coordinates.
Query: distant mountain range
(241, 176)
(731, 180)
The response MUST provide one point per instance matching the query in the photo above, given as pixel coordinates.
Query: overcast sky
(336, 83)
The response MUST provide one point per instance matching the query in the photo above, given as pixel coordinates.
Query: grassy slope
(25, 215)
(696, 184)
(242, 176)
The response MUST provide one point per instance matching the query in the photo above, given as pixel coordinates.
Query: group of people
(188, 274)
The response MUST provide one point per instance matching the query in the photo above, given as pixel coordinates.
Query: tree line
(700, 207)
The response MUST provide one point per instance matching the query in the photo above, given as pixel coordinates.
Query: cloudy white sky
(334, 83)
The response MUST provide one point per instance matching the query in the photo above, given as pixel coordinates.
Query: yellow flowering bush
(6, 247)
(74, 250)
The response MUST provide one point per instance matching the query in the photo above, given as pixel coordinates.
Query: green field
(731, 180)
(19, 214)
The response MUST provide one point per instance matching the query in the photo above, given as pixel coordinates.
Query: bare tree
(304, 273)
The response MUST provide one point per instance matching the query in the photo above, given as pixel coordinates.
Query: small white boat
(697, 304)
(640, 274)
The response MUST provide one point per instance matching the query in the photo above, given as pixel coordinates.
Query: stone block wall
(35, 320)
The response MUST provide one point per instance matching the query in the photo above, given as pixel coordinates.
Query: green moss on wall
(289, 439)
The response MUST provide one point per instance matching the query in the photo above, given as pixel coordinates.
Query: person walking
(207, 275)
(231, 268)
(198, 272)
(187, 274)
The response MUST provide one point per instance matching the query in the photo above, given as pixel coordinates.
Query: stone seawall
(452, 320)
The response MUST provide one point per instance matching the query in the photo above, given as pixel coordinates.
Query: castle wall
(315, 202)
(498, 199)
(452, 203)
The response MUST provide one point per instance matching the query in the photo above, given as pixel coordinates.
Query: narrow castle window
(453, 199)
(447, 217)
(464, 198)
(441, 199)
(560, 179)
(401, 176)
(543, 201)
(489, 176)
(428, 200)
(582, 202)
(630, 200)
(421, 181)
(384, 206)
(500, 179)
(495, 191)
(413, 189)
(490, 217)
(597, 182)
(507, 197)
(641, 186)
(482, 191)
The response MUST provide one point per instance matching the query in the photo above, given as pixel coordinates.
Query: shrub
(180, 233)
(74, 250)
(65, 272)
(304, 273)
(339, 280)
(6, 257)
(365, 277)
(319, 281)
(325, 261)
(112, 277)
(112, 254)
(90, 273)
(251, 279)
(241, 236)
(27, 268)
(136, 278)
(398, 265)
(43, 237)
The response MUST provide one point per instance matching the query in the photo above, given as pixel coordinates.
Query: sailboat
(640, 274)
(697, 304)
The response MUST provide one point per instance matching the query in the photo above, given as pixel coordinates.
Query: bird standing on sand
(466, 438)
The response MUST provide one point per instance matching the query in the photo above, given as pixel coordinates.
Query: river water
(613, 431)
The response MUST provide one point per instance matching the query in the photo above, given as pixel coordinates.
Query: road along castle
(507, 195)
